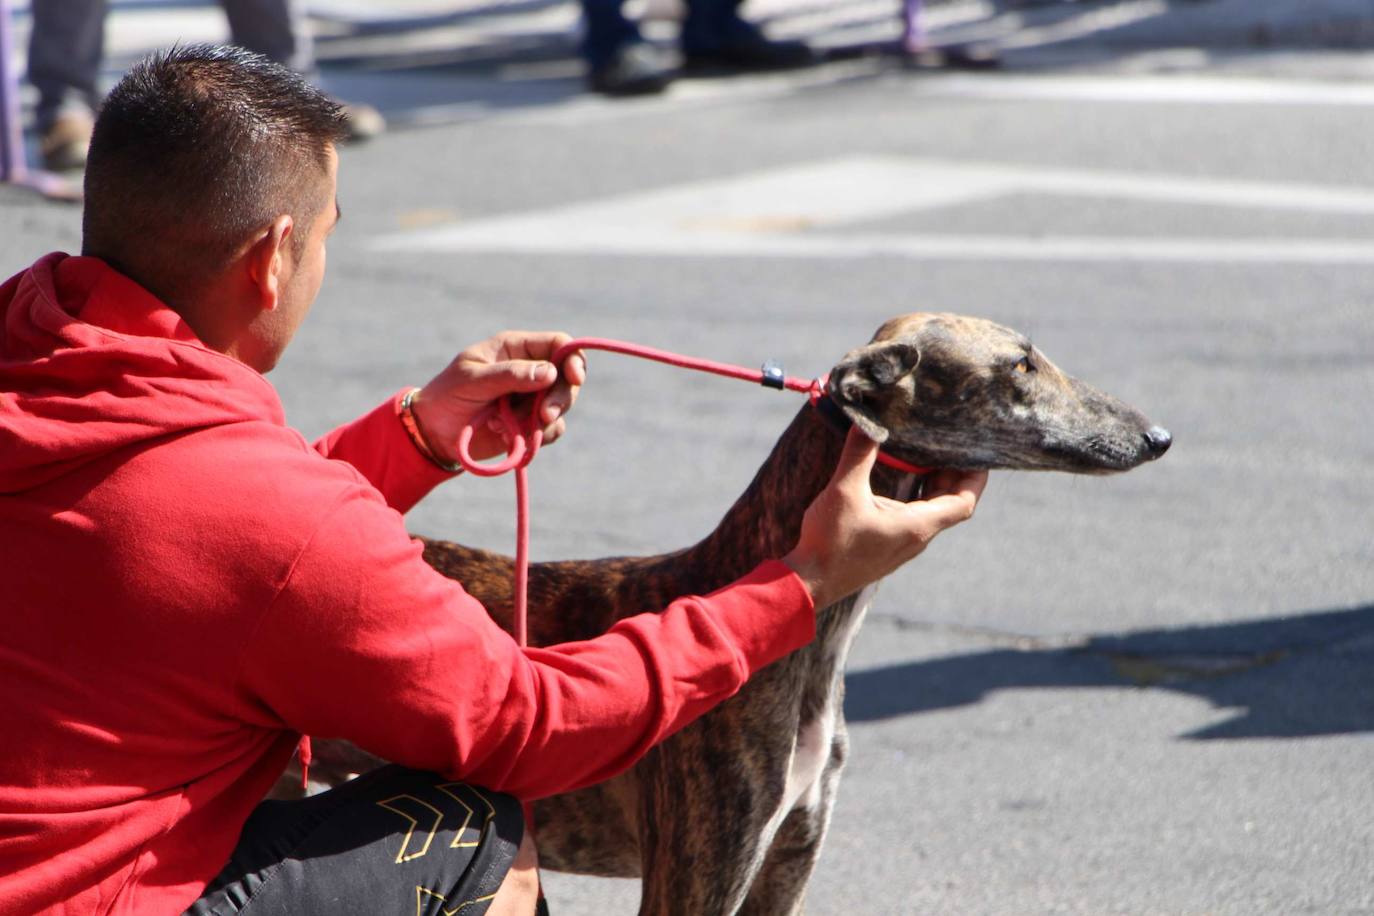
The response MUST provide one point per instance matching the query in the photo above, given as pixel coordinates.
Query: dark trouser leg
(714, 36)
(606, 30)
(275, 29)
(65, 50)
(711, 24)
(391, 841)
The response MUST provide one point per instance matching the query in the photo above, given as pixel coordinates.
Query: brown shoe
(364, 122)
(63, 146)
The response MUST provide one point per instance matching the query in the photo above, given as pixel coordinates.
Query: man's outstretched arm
(366, 642)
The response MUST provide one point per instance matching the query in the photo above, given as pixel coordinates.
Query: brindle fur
(699, 819)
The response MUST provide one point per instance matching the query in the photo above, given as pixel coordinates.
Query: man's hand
(851, 537)
(512, 362)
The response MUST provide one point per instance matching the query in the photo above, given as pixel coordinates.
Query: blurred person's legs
(714, 37)
(67, 45)
(278, 30)
(619, 61)
(65, 49)
(606, 30)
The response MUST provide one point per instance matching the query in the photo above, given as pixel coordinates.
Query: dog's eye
(1024, 365)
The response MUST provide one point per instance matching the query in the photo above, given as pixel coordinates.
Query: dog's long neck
(765, 521)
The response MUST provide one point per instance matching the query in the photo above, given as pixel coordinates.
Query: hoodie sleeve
(366, 642)
(378, 447)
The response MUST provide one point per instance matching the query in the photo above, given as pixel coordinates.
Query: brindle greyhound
(727, 816)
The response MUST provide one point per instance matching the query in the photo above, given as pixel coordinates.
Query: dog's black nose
(1158, 439)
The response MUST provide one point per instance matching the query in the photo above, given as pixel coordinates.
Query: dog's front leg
(707, 803)
(780, 886)
(779, 889)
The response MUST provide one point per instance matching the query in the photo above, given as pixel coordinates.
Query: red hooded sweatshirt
(188, 585)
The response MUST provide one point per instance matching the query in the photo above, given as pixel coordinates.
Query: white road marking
(776, 213)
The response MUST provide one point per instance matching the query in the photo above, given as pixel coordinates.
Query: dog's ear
(861, 383)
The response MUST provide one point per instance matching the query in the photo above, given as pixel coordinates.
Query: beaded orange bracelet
(412, 426)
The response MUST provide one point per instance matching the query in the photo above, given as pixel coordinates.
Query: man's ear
(861, 383)
(270, 262)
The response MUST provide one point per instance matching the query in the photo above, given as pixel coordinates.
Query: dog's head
(948, 391)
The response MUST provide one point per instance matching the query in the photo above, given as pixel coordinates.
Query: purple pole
(913, 27)
(14, 167)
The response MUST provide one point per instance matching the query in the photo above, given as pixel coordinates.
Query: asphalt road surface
(1146, 694)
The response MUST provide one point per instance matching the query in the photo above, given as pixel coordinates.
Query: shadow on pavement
(1291, 677)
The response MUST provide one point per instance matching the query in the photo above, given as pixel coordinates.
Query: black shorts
(391, 841)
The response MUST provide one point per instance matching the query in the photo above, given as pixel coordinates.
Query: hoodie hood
(91, 362)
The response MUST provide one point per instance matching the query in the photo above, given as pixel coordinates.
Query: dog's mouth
(1109, 454)
(1093, 456)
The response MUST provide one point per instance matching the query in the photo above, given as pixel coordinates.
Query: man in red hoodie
(189, 586)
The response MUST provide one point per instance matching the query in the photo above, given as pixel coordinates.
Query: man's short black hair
(194, 150)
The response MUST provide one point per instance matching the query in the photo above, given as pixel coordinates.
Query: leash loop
(521, 444)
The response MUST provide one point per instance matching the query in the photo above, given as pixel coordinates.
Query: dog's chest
(816, 737)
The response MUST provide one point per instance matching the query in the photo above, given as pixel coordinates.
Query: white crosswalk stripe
(803, 212)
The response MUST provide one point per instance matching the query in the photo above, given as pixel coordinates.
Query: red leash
(524, 439)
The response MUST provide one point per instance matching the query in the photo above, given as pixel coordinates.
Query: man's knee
(519, 892)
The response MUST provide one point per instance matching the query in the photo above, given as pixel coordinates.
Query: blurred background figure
(714, 39)
(67, 46)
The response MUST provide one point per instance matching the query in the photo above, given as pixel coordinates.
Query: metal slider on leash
(773, 376)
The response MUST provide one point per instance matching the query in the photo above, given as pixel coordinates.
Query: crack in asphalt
(990, 635)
